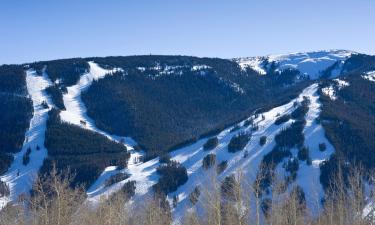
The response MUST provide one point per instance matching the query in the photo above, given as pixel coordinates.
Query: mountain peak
(311, 64)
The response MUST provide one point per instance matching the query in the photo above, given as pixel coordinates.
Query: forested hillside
(165, 101)
(16, 111)
(84, 152)
(349, 120)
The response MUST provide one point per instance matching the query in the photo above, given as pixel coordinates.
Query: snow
(254, 63)
(76, 111)
(191, 157)
(308, 176)
(341, 83)
(158, 71)
(331, 89)
(330, 92)
(143, 173)
(308, 63)
(22, 183)
(370, 76)
(200, 67)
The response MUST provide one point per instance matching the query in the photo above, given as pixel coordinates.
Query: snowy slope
(308, 176)
(19, 177)
(75, 113)
(191, 157)
(255, 63)
(308, 63)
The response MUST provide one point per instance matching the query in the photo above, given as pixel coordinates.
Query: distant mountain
(313, 65)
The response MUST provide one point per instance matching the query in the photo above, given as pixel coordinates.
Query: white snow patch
(254, 63)
(158, 70)
(341, 83)
(330, 90)
(19, 177)
(200, 67)
(370, 76)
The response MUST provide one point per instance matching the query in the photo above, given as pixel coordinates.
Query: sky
(33, 30)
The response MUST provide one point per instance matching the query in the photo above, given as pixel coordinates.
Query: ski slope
(76, 113)
(308, 176)
(191, 157)
(19, 177)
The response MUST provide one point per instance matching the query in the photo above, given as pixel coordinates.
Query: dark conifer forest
(16, 112)
(85, 153)
(349, 121)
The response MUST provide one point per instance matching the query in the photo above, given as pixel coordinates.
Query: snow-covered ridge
(255, 63)
(308, 63)
(20, 177)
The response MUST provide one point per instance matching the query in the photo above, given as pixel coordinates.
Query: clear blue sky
(44, 29)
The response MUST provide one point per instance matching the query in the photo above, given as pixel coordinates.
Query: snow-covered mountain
(295, 129)
(311, 64)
